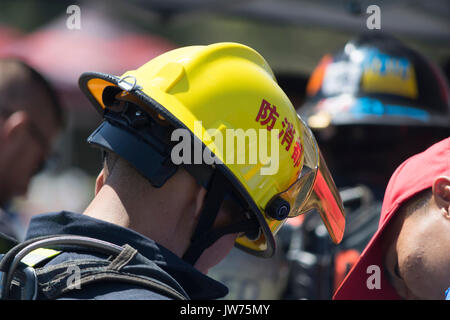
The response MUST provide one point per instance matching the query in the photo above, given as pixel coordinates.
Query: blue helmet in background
(376, 79)
(372, 104)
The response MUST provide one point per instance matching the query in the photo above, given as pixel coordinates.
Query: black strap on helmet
(204, 235)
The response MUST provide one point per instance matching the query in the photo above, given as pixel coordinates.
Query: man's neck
(112, 206)
(108, 206)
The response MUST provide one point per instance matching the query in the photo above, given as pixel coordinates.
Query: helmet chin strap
(204, 235)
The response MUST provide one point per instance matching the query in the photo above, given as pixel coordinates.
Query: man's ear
(441, 194)
(100, 181)
(15, 125)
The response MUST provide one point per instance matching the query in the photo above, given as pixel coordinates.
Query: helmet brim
(349, 110)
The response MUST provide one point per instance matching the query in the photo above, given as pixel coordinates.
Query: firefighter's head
(215, 115)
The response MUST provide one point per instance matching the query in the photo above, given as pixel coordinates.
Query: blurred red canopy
(101, 44)
(8, 35)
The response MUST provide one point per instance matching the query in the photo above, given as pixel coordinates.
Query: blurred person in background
(371, 105)
(30, 119)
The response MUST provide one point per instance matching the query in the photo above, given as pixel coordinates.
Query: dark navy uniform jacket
(195, 284)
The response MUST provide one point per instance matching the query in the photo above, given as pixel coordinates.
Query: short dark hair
(109, 159)
(418, 202)
(119, 168)
(30, 76)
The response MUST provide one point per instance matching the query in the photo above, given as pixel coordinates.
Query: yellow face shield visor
(315, 189)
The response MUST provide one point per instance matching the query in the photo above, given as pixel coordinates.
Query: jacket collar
(197, 285)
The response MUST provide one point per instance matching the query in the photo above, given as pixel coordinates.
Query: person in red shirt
(408, 257)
